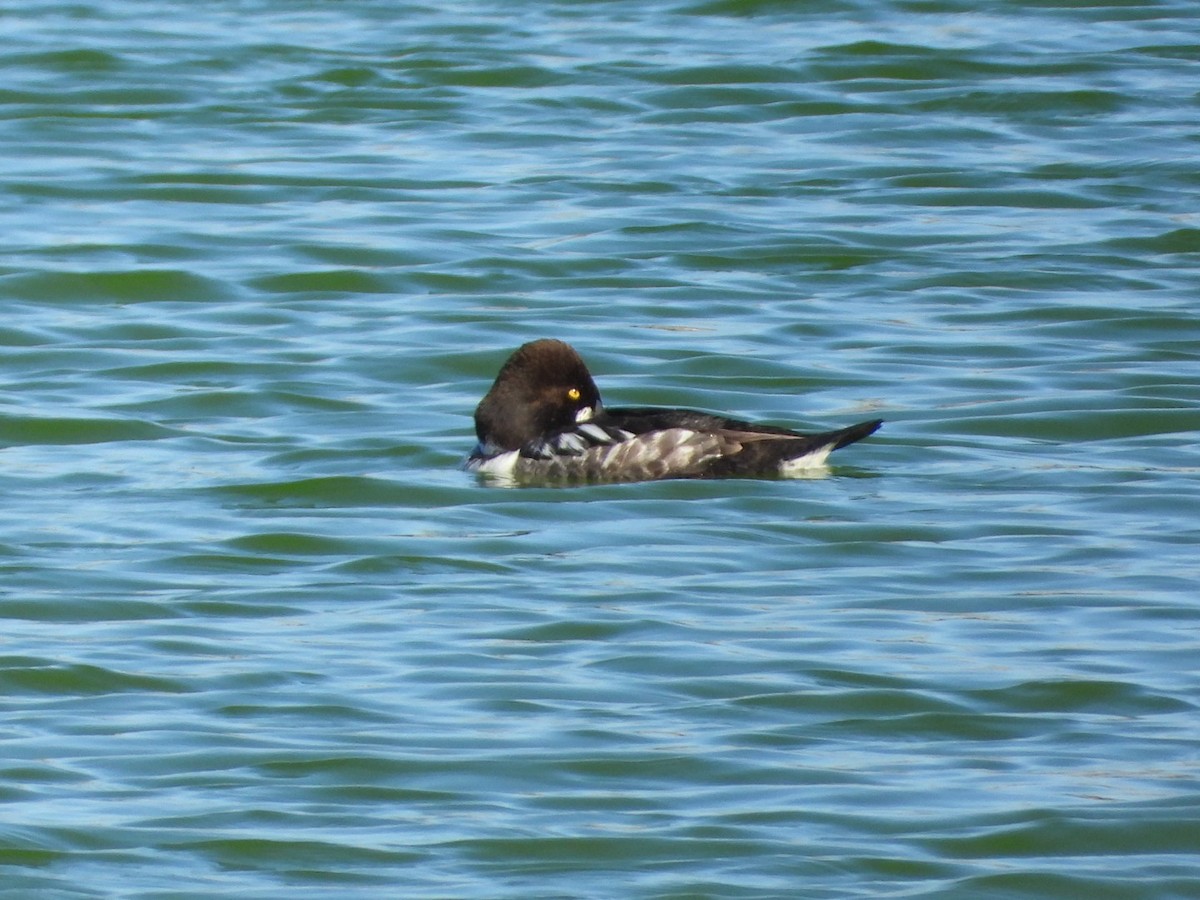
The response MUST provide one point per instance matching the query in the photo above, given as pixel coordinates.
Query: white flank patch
(811, 463)
(501, 466)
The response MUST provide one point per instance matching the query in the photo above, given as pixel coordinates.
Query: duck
(543, 421)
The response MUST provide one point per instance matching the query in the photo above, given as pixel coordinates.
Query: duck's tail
(817, 447)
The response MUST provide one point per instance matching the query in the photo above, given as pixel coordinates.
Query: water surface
(262, 637)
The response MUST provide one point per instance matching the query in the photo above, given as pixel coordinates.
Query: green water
(262, 637)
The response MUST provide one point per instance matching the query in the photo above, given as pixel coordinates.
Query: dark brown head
(542, 387)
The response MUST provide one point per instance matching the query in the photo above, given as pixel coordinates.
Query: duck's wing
(607, 452)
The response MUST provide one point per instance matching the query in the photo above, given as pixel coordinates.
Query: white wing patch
(574, 441)
(672, 452)
(570, 442)
(600, 436)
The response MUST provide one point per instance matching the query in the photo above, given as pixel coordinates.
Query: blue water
(261, 636)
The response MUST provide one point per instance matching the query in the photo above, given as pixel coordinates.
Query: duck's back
(722, 447)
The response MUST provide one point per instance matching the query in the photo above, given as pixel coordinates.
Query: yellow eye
(574, 394)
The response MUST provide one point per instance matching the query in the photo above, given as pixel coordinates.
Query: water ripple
(263, 636)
